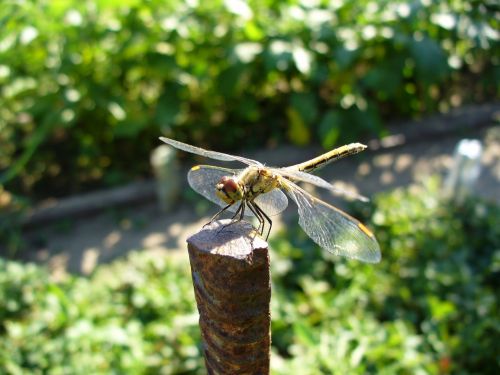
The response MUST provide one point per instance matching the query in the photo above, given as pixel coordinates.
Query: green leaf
(329, 128)
(386, 77)
(305, 104)
(229, 80)
(298, 132)
(344, 57)
(169, 105)
(305, 335)
(129, 127)
(430, 60)
(253, 31)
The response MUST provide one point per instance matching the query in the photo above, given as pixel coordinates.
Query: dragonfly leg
(261, 221)
(218, 214)
(264, 216)
(242, 214)
(258, 216)
(240, 211)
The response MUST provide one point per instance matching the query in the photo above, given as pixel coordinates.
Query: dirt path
(78, 246)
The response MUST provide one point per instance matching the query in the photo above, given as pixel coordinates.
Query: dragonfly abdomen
(322, 160)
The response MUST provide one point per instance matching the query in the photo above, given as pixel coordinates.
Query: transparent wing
(272, 203)
(207, 153)
(295, 175)
(203, 178)
(332, 229)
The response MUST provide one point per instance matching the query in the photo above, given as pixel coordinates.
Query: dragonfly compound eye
(229, 190)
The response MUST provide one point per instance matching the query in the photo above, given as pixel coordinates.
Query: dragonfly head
(229, 190)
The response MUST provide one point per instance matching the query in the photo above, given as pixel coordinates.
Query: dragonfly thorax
(248, 185)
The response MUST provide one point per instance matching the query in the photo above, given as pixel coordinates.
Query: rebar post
(231, 278)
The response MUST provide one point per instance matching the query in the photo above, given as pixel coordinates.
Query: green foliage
(430, 306)
(87, 87)
(132, 317)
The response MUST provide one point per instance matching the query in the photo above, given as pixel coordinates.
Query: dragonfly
(264, 190)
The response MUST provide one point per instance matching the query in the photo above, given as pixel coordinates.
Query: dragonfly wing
(272, 203)
(295, 175)
(203, 178)
(207, 153)
(332, 229)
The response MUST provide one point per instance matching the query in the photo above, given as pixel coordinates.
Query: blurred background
(94, 276)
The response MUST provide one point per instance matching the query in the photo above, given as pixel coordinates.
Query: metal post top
(223, 237)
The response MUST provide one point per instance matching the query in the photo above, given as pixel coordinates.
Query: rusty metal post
(231, 278)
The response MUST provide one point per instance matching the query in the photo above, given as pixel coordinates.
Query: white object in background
(465, 170)
(166, 170)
